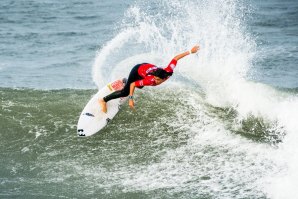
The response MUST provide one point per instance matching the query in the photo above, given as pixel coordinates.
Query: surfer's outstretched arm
(193, 50)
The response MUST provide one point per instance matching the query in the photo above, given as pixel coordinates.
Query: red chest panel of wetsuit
(145, 71)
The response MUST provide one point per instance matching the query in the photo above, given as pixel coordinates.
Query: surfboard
(92, 119)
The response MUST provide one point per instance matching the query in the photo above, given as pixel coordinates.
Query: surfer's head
(160, 75)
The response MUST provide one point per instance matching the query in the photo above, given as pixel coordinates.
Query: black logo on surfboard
(81, 132)
(89, 114)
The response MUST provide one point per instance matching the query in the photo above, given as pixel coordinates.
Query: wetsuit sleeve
(171, 66)
(148, 81)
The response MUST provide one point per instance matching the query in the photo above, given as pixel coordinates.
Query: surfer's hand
(195, 49)
(131, 104)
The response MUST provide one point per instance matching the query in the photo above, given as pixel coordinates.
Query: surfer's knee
(125, 93)
(104, 100)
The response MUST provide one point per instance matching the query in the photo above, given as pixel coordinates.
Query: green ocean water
(42, 157)
(41, 153)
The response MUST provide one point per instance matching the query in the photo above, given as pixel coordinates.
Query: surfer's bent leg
(133, 76)
(115, 95)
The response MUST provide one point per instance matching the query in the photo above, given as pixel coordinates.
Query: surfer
(144, 74)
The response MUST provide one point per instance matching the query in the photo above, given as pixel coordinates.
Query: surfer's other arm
(130, 97)
(193, 50)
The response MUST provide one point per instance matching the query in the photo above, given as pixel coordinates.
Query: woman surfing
(144, 74)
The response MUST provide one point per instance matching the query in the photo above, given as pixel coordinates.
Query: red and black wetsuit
(141, 74)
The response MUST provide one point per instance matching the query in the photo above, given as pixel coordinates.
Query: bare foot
(103, 105)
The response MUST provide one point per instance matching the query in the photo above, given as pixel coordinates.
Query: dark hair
(161, 73)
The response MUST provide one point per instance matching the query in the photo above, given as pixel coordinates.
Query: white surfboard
(92, 119)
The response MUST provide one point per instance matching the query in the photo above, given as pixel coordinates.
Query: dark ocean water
(223, 127)
(275, 25)
(42, 41)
